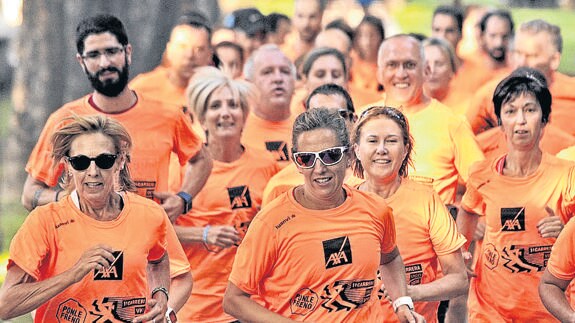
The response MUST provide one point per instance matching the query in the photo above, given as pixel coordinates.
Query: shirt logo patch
(414, 274)
(347, 294)
(513, 219)
(239, 197)
(114, 309)
(279, 149)
(71, 311)
(115, 271)
(525, 258)
(146, 188)
(337, 252)
(304, 301)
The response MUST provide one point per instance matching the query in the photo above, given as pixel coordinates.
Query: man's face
(307, 19)
(106, 63)
(535, 50)
(188, 48)
(401, 70)
(495, 38)
(445, 27)
(274, 79)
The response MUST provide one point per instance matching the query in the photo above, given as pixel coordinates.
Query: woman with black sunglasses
(101, 247)
(427, 234)
(312, 254)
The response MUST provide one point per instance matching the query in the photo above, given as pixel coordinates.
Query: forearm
(38, 193)
(552, 293)
(393, 276)
(24, 295)
(197, 173)
(180, 290)
(189, 234)
(243, 308)
(159, 273)
(445, 288)
(466, 224)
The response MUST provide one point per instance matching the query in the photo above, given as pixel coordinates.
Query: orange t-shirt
(362, 75)
(293, 48)
(561, 263)
(232, 196)
(290, 177)
(317, 265)
(55, 236)
(513, 254)
(493, 142)
(444, 148)
(472, 75)
(425, 230)
(567, 153)
(481, 112)
(297, 105)
(156, 128)
(271, 136)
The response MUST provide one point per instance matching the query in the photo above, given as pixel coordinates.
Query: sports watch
(403, 300)
(187, 201)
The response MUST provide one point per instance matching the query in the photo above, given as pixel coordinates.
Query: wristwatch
(171, 316)
(403, 300)
(187, 201)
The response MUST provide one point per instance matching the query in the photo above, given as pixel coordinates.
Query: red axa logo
(337, 252)
(279, 149)
(71, 311)
(113, 272)
(513, 219)
(240, 197)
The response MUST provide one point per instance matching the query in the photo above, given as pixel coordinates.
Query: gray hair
(421, 50)
(320, 118)
(445, 47)
(249, 66)
(540, 25)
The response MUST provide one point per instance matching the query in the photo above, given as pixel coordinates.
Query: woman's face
(367, 41)
(94, 184)
(521, 122)
(441, 70)
(326, 69)
(322, 184)
(381, 149)
(224, 116)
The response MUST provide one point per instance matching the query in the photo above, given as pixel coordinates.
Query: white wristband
(403, 300)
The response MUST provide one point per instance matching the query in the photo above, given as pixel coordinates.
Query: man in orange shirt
(268, 126)
(447, 23)
(538, 44)
(307, 22)
(156, 127)
(444, 145)
(496, 32)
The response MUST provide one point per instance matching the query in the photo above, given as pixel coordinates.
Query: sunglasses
(103, 161)
(328, 157)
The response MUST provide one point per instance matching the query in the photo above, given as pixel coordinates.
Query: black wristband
(160, 289)
(187, 198)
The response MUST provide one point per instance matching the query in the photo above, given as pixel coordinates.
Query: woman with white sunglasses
(312, 254)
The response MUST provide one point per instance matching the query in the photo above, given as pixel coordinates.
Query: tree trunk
(47, 75)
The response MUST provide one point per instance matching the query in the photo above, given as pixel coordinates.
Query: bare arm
(552, 293)
(158, 276)
(46, 194)
(223, 236)
(197, 172)
(454, 282)
(238, 304)
(21, 294)
(466, 224)
(180, 290)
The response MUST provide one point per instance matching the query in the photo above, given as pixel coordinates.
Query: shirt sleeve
(160, 245)
(186, 143)
(30, 245)
(179, 263)
(561, 263)
(467, 150)
(388, 241)
(255, 257)
(568, 201)
(472, 201)
(443, 232)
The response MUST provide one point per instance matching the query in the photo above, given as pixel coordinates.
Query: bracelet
(160, 289)
(57, 194)
(205, 234)
(36, 197)
(403, 300)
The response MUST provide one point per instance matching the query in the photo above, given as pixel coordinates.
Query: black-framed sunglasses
(347, 115)
(103, 161)
(328, 157)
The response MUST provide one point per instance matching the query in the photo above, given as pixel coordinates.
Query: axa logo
(513, 219)
(239, 197)
(337, 252)
(279, 149)
(113, 272)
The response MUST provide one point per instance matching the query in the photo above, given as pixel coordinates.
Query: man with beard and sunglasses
(157, 129)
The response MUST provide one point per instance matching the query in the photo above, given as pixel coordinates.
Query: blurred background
(39, 73)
